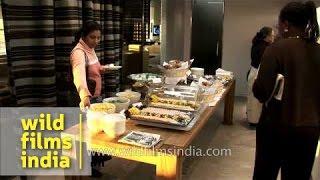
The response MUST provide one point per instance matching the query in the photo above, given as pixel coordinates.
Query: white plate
(112, 68)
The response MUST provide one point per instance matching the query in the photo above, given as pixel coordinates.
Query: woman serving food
(86, 68)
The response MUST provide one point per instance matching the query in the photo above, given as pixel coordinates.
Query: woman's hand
(85, 102)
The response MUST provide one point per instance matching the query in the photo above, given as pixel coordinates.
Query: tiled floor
(240, 139)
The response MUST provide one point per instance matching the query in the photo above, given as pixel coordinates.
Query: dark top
(299, 62)
(257, 50)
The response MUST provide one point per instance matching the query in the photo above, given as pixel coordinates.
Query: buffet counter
(165, 155)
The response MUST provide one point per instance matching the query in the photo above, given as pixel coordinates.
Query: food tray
(188, 127)
(162, 115)
(162, 122)
(174, 97)
(176, 92)
(179, 108)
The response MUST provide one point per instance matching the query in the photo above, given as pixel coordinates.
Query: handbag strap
(90, 85)
(86, 59)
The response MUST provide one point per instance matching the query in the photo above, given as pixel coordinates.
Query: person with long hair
(260, 42)
(288, 130)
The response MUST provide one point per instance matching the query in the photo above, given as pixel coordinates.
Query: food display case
(174, 97)
(172, 107)
(164, 118)
(161, 115)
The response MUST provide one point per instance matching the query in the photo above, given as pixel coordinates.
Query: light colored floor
(240, 139)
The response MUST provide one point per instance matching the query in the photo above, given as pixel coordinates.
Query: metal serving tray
(165, 125)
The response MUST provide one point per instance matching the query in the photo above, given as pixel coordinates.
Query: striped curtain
(29, 34)
(39, 37)
(107, 12)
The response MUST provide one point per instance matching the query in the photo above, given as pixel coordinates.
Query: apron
(254, 107)
(94, 87)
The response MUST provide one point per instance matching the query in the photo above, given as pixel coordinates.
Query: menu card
(141, 139)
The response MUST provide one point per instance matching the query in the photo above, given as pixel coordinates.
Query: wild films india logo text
(33, 138)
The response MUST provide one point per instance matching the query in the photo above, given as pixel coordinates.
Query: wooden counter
(165, 156)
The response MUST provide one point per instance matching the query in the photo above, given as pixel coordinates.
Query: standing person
(87, 71)
(288, 130)
(260, 42)
(86, 68)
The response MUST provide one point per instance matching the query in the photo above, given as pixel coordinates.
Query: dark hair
(87, 28)
(303, 16)
(262, 34)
